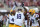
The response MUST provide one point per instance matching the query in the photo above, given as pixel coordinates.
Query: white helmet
(27, 8)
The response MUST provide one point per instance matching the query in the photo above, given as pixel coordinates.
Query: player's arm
(27, 20)
(8, 16)
(26, 15)
(3, 18)
(37, 17)
(25, 9)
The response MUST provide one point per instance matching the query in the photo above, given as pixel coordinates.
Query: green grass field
(4, 26)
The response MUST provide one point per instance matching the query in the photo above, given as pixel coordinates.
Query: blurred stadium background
(8, 4)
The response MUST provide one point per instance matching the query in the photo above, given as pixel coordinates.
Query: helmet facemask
(19, 10)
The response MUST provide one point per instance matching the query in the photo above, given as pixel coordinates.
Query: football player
(26, 17)
(1, 20)
(19, 18)
(11, 19)
(7, 19)
(33, 18)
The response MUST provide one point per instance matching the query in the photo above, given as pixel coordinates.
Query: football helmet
(11, 10)
(27, 8)
(31, 11)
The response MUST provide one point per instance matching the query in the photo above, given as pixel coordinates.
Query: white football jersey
(33, 19)
(33, 16)
(19, 17)
(11, 19)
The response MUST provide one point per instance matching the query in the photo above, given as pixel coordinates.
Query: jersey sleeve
(37, 15)
(8, 16)
(15, 16)
(13, 7)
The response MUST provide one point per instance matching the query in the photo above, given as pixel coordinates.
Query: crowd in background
(3, 17)
(10, 3)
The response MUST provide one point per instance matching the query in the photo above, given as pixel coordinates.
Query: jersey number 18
(18, 16)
